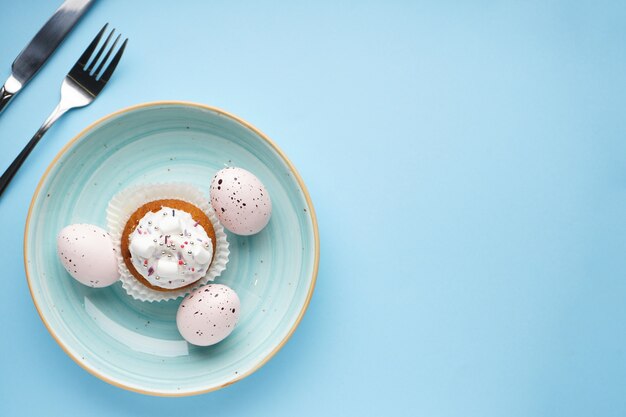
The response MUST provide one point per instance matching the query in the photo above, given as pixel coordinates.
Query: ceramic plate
(134, 344)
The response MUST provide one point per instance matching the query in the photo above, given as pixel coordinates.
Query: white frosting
(170, 249)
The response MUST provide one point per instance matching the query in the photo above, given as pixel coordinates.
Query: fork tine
(106, 57)
(116, 59)
(84, 58)
(100, 51)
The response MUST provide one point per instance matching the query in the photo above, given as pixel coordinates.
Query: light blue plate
(134, 344)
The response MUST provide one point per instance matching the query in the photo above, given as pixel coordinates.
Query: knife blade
(41, 47)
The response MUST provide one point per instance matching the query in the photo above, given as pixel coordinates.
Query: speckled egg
(208, 314)
(87, 253)
(240, 201)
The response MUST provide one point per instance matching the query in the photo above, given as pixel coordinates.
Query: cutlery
(79, 88)
(45, 42)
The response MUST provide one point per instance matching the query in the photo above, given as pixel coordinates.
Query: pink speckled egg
(207, 315)
(87, 253)
(240, 201)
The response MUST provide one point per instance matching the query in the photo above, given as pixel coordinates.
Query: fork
(79, 88)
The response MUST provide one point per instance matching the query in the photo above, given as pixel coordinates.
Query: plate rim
(282, 155)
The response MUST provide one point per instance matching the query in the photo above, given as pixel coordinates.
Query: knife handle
(10, 88)
(5, 97)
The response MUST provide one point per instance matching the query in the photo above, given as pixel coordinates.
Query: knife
(45, 42)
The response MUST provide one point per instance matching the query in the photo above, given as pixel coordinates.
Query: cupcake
(168, 244)
(169, 238)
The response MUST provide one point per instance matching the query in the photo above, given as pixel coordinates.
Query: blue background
(468, 167)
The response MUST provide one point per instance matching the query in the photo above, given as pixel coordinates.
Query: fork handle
(17, 163)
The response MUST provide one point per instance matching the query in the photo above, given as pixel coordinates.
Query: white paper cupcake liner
(126, 202)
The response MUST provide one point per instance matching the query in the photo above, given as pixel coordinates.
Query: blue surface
(468, 167)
